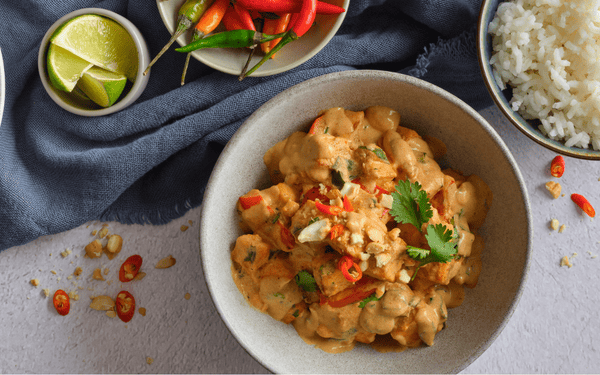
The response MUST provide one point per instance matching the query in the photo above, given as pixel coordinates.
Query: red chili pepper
(357, 181)
(314, 194)
(288, 6)
(245, 17)
(130, 268)
(125, 304)
(347, 204)
(301, 23)
(583, 204)
(328, 210)
(280, 27)
(286, 236)
(336, 231)
(350, 269)
(557, 168)
(61, 302)
(248, 202)
(317, 126)
(231, 20)
(361, 290)
(379, 190)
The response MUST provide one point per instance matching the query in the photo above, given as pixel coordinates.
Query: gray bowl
(473, 147)
(502, 98)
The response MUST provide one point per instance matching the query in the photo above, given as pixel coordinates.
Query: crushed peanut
(565, 261)
(111, 313)
(562, 228)
(554, 188)
(94, 249)
(149, 360)
(142, 311)
(94, 232)
(113, 246)
(184, 228)
(73, 295)
(103, 232)
(554, 224)
(78, 271)
(65, 253)
(187, 296)
(35, 282)
(140, 275)
(46, 292)
(97, 275)
(166, 262)
(102, 303)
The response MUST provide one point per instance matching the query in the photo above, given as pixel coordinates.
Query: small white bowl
(64, 100)
(473, 146)
(232, 60)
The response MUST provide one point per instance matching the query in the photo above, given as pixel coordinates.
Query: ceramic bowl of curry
(433, 114)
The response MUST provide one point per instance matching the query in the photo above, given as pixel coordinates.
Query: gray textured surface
(554, 328)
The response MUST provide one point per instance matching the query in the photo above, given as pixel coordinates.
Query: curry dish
(333, 248)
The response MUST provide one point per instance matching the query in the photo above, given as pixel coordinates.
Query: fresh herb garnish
(377, 151)
(313, 220)
(412, 206)
(306, 281)
(276, 218)
(372, 297)
(251, 255)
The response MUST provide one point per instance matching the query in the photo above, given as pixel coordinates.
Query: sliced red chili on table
(584, 204)
(350, 269)
(61, 302)
(329, 210)
(347, 204)
(130, 268)
(557, 167)
(248, 202)
(125, 304)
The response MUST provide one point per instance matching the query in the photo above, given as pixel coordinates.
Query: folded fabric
(150, 162)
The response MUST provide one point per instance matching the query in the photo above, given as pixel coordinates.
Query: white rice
(548, 52)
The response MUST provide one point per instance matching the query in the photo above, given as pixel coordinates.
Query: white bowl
(232, 60)
(64, 100)
(473, 148)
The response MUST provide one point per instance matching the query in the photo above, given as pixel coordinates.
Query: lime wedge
(65, 68)
(102, 86)
(100, 41)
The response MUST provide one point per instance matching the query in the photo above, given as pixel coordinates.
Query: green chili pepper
(230, 39)
(189, 13)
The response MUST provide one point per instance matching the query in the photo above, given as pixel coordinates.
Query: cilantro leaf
(443, 247)
(372, 297)
(306, 281)
(377, 151)
(411, 204)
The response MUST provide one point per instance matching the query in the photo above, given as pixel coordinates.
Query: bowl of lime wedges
(91, 62)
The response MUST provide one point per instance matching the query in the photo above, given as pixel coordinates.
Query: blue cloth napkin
(150, 162)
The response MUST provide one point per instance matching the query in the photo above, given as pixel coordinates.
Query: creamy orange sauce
(357, 157)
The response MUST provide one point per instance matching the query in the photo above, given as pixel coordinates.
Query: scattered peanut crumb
(111, 313)
(73, 295)
(65, 253)
(97, 275)
(113, 246)
(35, 282)
(106, 270)
(565, 261)
(554, 188)
(149, 360)
(142, 311)
(53, 272)
(78, 271)
(562, 228)
(46, 292)
(190, 222)
(554, 224)
(103, 232)
(69, 277)
(94, 232)
(187, 296)
(184, 228)
(166, 262)
(139, 276)
(94, 249)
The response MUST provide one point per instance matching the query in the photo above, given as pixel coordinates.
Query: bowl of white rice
(539, 59)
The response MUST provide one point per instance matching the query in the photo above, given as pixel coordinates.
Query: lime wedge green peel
(100, 41)
(101, 86)
(65, 68)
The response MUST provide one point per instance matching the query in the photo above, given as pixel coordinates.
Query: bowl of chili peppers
(431, 112)
(250, 37)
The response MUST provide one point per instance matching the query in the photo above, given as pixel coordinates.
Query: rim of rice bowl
(539, 62)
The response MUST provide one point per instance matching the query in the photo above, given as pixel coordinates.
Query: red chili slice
(379, 190)
(336, 231)
(361, 290)
(314, 194)
(347, 204)
(286, 236)
(557, 168)
(125, 304)
(583, 204)
(318, 126)
(329, 210)
(130, 268)
(350, 269)
(61, 302)
(248, 202)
